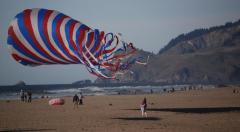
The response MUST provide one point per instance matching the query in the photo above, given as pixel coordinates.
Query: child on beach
(143, 107)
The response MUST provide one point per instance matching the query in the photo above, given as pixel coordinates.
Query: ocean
(97, 91)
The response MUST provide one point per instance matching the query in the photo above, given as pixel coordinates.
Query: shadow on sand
(137, 118)
(26, 130)
(195, 110)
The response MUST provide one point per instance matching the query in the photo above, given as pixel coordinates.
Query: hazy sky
(149, 24)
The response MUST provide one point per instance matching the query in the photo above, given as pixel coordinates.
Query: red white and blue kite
(41, 36)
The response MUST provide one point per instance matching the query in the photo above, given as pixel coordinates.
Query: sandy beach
(207, 110)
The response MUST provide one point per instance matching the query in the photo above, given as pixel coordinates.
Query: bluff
(202, 56)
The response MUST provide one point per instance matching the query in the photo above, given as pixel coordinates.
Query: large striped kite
(41, 36)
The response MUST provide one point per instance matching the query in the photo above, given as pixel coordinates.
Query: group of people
(26, 96)
(235, 91)
(78, 100)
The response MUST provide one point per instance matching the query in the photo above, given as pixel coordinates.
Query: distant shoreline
(51, 92)
(4, 88)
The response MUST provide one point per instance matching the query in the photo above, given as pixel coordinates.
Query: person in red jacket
(143, 107)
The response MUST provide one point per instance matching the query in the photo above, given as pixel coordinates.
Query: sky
(149, 24)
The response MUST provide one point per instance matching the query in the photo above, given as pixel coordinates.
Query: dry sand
(187, 111)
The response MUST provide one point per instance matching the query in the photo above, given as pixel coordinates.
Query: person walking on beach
(75, 100)
(25, 96)
(29, 94)
(143, 107)
(80, 98)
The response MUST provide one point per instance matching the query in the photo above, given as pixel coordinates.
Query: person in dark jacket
(29, 94)
(25, 96)
(75, 100)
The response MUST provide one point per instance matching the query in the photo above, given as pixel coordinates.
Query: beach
(216, 109)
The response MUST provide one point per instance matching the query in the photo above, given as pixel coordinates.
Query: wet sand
(185, 111)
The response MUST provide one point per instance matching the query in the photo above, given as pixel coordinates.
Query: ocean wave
(93, 89)
(73, 90)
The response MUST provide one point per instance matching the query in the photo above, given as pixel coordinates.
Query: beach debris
(45, 37)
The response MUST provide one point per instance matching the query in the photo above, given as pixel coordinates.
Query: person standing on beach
(80, 99)
(29, 94)
(25, 96)
(143, 107)
(75, 100)
(22, 95)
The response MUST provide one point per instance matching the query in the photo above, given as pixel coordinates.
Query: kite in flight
(45, 37)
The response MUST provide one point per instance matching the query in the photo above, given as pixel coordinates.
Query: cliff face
(201, 56)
